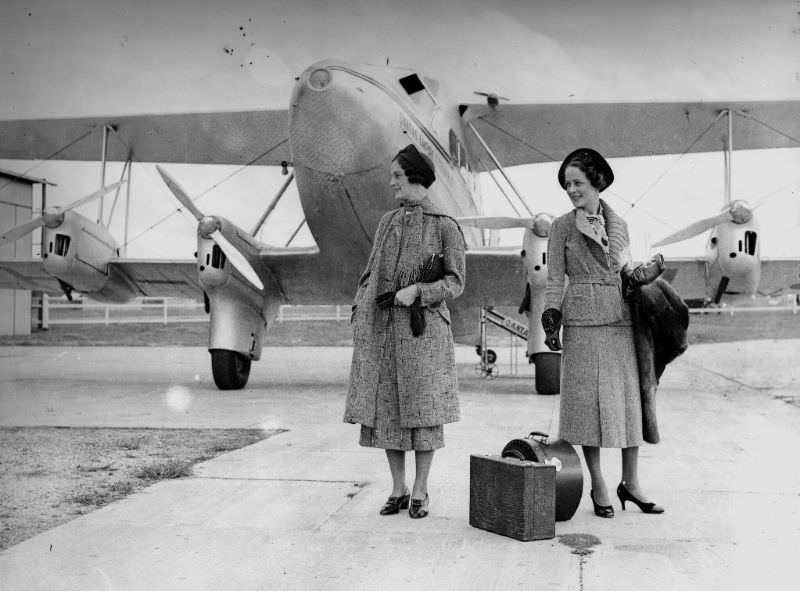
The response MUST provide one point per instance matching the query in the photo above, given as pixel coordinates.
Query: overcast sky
(98, 57)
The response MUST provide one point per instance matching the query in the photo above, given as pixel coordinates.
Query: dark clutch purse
(432, 270)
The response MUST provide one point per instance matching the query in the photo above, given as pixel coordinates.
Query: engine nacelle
(77, 251)
(213, 268)
(535, 249)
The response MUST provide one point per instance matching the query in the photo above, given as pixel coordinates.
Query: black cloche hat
(591, 157)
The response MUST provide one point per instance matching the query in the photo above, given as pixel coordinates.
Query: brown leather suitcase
(511, 497)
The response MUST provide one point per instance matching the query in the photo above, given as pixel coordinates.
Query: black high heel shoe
(625, 495)
(394, 504)
(601, 510)
(419, 508)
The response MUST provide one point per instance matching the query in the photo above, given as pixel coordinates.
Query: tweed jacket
(426, 378)
(592, 296)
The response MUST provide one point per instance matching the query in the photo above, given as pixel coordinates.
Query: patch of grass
(32, 474)
(166, 470)
(50, 475)
(129, 443)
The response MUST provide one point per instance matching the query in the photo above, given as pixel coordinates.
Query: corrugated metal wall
(16, 202)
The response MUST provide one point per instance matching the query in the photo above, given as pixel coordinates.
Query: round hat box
(569, 475)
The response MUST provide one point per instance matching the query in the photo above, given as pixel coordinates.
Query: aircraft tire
(548, 372)
(230, 369)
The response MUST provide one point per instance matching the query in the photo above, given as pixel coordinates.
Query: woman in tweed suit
(600, 399)
(403, 387)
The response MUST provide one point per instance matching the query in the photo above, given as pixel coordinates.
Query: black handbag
(432, 270)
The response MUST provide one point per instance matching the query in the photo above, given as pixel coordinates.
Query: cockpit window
(62, 245)
(457, 150)
(419, 93)
(412, 84)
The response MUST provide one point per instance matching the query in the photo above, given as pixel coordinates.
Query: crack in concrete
(730, 379)
(360, 484)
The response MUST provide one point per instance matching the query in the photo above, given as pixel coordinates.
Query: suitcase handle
(541, 434)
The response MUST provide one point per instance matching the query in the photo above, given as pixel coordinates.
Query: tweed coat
(426, 378)
(600, 400)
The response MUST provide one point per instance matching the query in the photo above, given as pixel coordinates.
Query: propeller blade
(237, 259)
(96, 195)
(18, 232)
(695, 229)
(497, 222)
(181, 195)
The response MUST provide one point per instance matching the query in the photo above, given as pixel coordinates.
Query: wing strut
(272, 205)
(500, 168)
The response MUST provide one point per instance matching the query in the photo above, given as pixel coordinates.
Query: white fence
(52, 311)
(789, 303)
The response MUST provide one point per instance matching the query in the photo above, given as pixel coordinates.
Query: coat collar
(618, 248)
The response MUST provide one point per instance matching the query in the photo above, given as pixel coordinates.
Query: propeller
(492, 99)
(209, 227)
(738, 212)
(52, 216)
(540, 225)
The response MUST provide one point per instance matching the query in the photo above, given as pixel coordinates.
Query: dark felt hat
(590, 158)
(417, 166)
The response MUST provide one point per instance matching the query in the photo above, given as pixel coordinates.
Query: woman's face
(403, 189)
(579, 190)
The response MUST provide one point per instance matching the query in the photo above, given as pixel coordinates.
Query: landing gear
(548, 372)
(487, 367)
(230, 369)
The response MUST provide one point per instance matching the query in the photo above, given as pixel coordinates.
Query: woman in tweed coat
(403, 387)
(600, 399)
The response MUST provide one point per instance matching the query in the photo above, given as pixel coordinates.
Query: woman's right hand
(551, 323)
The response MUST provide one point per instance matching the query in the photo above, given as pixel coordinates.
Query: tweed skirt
(600, 399)
(387, 432)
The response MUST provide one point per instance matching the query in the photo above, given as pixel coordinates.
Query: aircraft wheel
(548, 372)
(230, 369)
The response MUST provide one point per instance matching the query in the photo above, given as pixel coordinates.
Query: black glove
(551, 323)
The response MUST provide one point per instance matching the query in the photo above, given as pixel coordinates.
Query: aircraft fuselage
(345, 126)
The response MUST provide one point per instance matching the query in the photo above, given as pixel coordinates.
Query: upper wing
(16, 273)
(495, 277)
(779, 274)
(241, 137)
(527, 134)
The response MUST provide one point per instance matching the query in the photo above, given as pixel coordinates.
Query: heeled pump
(419, 508)
(625, 495)
(394, 504)
(601, 510)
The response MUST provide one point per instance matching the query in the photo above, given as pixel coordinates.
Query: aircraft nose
(337, 122)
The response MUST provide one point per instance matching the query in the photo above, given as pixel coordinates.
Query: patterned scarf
(409, 261)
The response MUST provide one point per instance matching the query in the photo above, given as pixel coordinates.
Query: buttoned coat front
(425, 365)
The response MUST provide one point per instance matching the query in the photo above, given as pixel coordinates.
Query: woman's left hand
(406, 296)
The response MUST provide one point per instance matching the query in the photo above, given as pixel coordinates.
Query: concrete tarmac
(300, 510)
